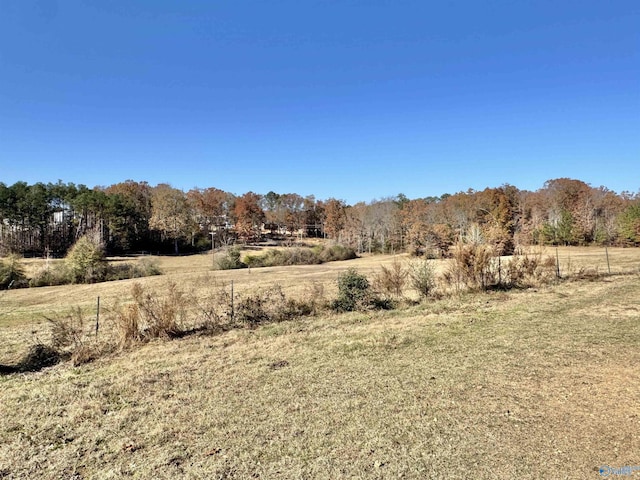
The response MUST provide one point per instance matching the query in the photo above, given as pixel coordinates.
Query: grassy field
(538, 383)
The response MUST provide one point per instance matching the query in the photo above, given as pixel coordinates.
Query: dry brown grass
(23, 312)
(525, 384)
(502, 385)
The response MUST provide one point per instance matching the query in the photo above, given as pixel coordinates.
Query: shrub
(127, 325)
(252, 310)
(314, 298)
(67, 331)
(391, 280)
(255, 261)
(271, 305)
(336, 252)
(212, 308)
(524, 270)
(262, 306)
(353, 292)
(311, 302)
(289, 256)
(85, 261)
(65, 273)
(422, 277)
(295, 308)
(160, 316)
(148, 267)
(143, 268)
(51, 275)
(12, 273)
(300, 256)
(472, 266)
(74, 333)
(152, 316)
(228, 259)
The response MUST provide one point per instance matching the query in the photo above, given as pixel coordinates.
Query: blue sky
(348, 99)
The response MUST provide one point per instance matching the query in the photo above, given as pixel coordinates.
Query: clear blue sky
(351, 99)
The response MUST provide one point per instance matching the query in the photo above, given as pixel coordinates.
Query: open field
(28, 306)
(539, 383)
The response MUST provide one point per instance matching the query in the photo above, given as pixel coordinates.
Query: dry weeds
(538, 383)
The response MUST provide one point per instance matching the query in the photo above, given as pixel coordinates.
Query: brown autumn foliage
(249, 216)
(133, 216)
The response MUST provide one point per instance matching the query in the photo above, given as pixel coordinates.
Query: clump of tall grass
(152, 316)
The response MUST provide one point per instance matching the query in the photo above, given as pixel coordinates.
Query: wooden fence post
(98, 316)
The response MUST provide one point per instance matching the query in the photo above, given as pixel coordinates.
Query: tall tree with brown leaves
(171, 214)
(249, 216)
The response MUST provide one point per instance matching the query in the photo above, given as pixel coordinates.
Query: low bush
(354, 293)
(213, 308)
(526, 270)
(73, 336)
(62, 273)
(228, 259)
(336, 252)
(68, 330)
(143, 268)
(51, 275)
(12, 273)
(152, 316)
(301, 256)
(390, 281)
(272, 305)
(473, 266)
(422, 277)
(262, 306)
(314, 298)
(284, 257)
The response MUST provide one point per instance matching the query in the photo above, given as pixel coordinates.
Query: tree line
(130, 216)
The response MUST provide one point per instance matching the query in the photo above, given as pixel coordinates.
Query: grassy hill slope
(525, 384)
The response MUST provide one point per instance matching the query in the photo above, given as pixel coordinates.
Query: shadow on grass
(38, 357)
